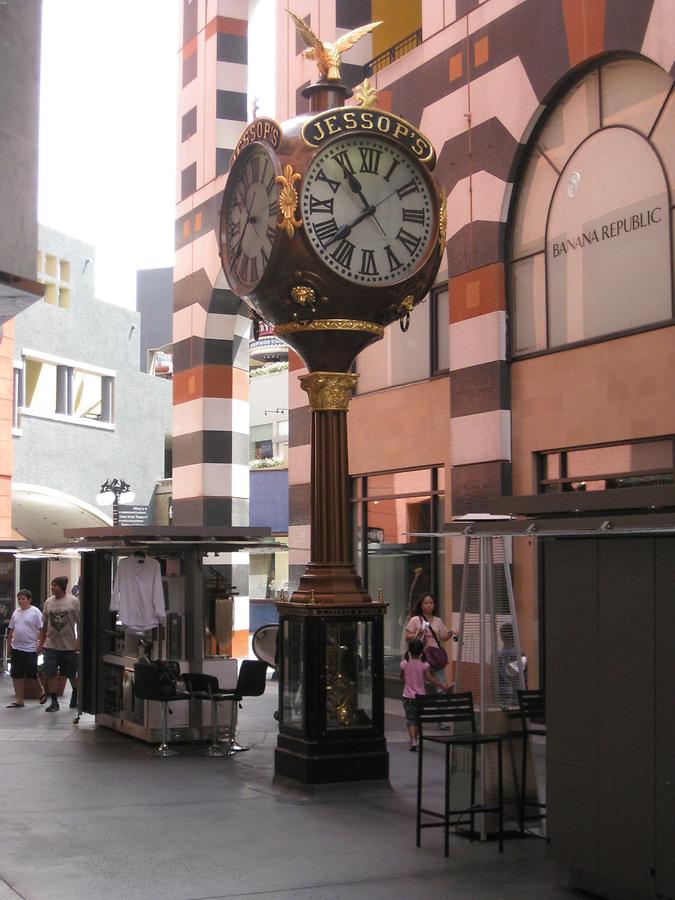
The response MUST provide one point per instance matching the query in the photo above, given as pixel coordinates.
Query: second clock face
(368, 211)
(248, 223)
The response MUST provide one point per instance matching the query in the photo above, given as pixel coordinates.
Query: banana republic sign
(624, 225)
(608, 239)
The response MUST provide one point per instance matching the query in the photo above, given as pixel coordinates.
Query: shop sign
(608, 239)
(133, 515)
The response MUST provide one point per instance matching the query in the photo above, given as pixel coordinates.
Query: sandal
(15, 705)
(43, 699)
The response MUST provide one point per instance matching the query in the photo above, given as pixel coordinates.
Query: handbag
(435, 656)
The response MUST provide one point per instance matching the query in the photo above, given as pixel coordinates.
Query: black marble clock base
(331, 762)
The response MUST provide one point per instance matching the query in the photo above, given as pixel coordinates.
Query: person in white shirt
(24, 633)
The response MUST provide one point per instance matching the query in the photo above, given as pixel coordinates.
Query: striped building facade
(477, 78)
(210, 324)
(482, 79)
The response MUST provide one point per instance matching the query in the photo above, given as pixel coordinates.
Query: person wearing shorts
(24, 633)
(59, 641)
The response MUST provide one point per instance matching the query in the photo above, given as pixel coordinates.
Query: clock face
(368, 211)
(249, 215)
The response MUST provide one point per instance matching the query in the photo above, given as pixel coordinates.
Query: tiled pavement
(88, 814)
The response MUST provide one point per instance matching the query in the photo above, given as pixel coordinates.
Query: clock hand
(346, 230)
(356, 187)
(248, 221)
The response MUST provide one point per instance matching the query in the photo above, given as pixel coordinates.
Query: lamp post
(112, 491)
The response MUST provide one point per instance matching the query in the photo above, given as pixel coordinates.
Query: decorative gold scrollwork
(328, 390)
(443, 222)
(329, 325)
(288, 200)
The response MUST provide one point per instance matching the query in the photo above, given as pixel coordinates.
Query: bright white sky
(108, 133)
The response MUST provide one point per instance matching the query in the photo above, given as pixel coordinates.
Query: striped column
(210, 323)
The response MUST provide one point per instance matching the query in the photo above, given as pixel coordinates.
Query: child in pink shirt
(414, 673)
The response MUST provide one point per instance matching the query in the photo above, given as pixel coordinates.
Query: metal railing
(382, 60)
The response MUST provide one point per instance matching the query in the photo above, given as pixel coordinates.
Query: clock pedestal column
(331, 684)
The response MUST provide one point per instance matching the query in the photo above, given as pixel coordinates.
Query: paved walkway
(88, 814)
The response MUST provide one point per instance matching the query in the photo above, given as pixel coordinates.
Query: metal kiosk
(197, 630)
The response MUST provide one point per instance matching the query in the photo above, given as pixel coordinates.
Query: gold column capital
(328, 390)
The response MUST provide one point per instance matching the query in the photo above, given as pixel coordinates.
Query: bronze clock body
(360, 234)
(325, 279)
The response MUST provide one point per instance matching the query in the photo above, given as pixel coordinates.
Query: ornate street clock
(368, 210)
(249, 217)
(248, 226)
(332, 227)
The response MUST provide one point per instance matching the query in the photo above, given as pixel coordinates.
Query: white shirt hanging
(137, 593)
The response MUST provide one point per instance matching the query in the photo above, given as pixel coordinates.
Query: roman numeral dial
(368, 210)
(249, 215)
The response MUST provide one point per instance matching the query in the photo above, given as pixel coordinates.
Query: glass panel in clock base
(349, 676)
(292, 700)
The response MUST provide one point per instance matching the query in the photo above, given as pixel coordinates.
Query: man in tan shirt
(59, 641)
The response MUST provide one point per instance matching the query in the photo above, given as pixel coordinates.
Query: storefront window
(418, 353)
(395, 514)
(633, 464)
(592, 229)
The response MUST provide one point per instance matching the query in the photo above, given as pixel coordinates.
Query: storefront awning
(646, 510)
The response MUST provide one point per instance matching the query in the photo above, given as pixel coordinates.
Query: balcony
(382, 60)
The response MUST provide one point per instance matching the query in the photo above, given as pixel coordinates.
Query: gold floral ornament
(288, 201)
(443, 222)
(302, 294)
(365, 95)
(326, 54)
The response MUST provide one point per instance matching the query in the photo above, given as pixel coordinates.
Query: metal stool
(532, 706)
(455, 709)
(150, 683)
(206, 687)
(251, 682)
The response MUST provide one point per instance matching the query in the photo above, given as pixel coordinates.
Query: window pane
(417, 481)
(409, 360)
(552, 466)
(632, 93)
(622, 458)
(401, 568)
(372, 365)
(529, 228)
(86, 395)
(575, 117)
(663, 137)
(400, 357)
(442, 335)
(529, 293)
(608, 240)
(40, 386)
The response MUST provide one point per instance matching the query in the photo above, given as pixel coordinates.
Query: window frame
(431, 344)
(565, 480)
(63, 397)
(563, 92)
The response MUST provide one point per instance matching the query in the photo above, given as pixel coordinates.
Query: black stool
(251, 682)
(455, 709)
(206, 687)
(157, 681)
(532, 706)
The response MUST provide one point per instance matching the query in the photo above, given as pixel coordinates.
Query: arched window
(591, 247)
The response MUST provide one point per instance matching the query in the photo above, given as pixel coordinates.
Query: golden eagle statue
(326, 54)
